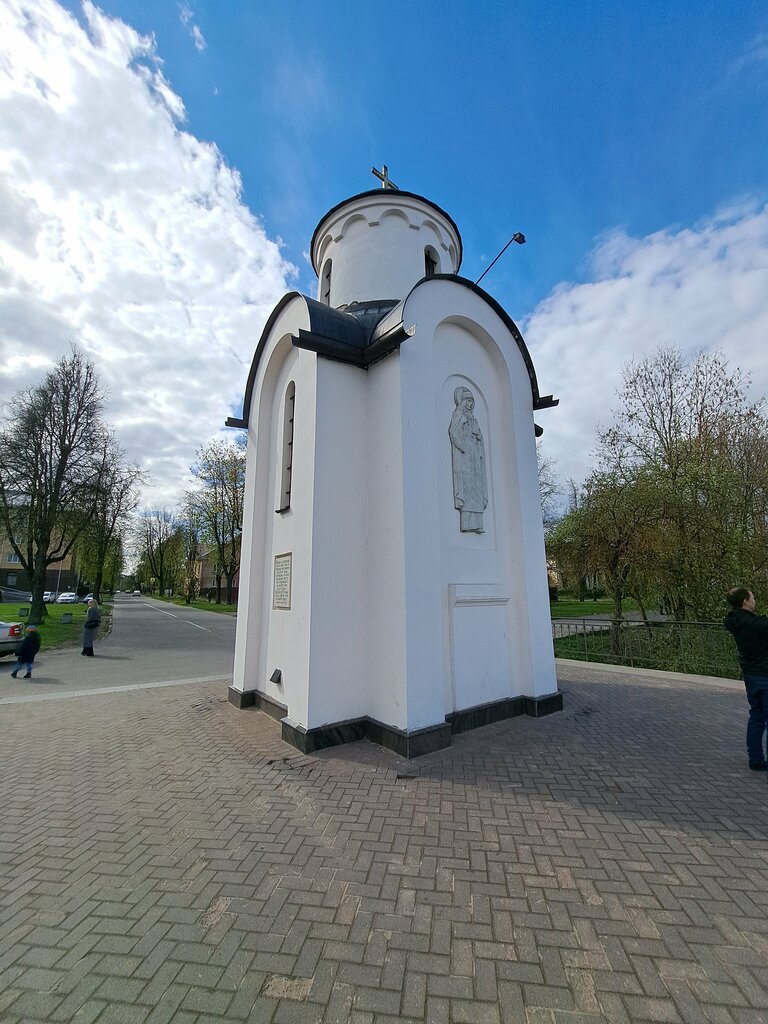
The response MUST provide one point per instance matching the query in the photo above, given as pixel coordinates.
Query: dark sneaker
(758, 766)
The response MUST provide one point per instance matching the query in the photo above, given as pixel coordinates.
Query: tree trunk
(617, 593)
(218, 588)
(38, 611)
(98, 583)
(230, 578)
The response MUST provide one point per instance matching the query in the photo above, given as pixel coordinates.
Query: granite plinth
(406, 743)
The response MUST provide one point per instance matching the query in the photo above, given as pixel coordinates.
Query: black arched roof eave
(242, 423)
(379, 192)
(539, 402)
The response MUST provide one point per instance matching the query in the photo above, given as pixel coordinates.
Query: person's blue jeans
(757, 695)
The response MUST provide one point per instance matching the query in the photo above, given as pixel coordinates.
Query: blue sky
(627, 141)
(563, 120)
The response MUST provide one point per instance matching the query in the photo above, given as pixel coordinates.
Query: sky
(163, 165)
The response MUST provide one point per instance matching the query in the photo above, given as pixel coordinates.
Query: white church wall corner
(391, 542)
(262, 637)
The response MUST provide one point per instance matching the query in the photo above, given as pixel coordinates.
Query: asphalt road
(151, 642)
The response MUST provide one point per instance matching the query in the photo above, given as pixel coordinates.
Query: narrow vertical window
(325, 289)
(284, 501)
(431, 262)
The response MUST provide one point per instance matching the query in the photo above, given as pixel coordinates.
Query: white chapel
(393, 580)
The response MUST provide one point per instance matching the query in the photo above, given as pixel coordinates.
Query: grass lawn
(201, 603)
(565, 608)
(54, 632)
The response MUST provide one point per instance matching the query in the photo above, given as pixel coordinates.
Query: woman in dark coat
(29, 647)
(92, 623)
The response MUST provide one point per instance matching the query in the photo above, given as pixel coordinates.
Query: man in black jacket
(750, 631)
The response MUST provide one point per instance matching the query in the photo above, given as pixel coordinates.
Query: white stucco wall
(386, 633)
(338, 627)
(270, 638)
(395, 613)
(493, 586)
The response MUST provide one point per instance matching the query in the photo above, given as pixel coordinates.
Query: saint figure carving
(470, 486)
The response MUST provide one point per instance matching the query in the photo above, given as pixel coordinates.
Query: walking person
(750, 631)
(28, 648)
(92, 623)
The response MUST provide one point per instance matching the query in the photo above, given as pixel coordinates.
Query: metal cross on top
(383, 176)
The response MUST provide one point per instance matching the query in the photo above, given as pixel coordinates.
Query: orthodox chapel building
(393, 580)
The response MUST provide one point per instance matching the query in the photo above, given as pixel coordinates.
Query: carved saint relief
(470, 484)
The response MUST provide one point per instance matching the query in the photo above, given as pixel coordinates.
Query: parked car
(137, 593)
(87, 598)
(11, 635)
(67, 598)
(49, 597)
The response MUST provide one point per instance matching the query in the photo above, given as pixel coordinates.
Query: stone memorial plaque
(281, 583)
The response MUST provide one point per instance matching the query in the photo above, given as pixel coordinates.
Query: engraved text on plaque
(281, 585)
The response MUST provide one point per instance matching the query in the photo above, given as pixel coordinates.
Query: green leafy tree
(607, 534)
(701, 446)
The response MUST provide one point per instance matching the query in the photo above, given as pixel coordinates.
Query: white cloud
(124, 233)
(186, 15)
(698, 288)
(756, 52)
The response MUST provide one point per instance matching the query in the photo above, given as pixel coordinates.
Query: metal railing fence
(697, 648)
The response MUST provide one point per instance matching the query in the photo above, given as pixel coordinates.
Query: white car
(11, 635)
(67, 598)
(48, 597)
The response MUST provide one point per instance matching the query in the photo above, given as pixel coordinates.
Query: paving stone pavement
(166, 858)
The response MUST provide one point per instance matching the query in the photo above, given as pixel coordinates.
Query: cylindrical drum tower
(378, 244)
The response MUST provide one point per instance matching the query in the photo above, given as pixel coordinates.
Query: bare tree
(50, 459)
(549, 488)
(190, 529)
(116, 499)
(156, 533)
(220, 468)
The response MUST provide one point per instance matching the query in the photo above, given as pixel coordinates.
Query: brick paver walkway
(164, 857)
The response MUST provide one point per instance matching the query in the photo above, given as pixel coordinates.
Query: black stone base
(255, 699)
(310, 740)
(270, 706)
(415, 743)
(485, 714)
(241, 698)
(407, 744)
(498, 710)
(537, 707)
